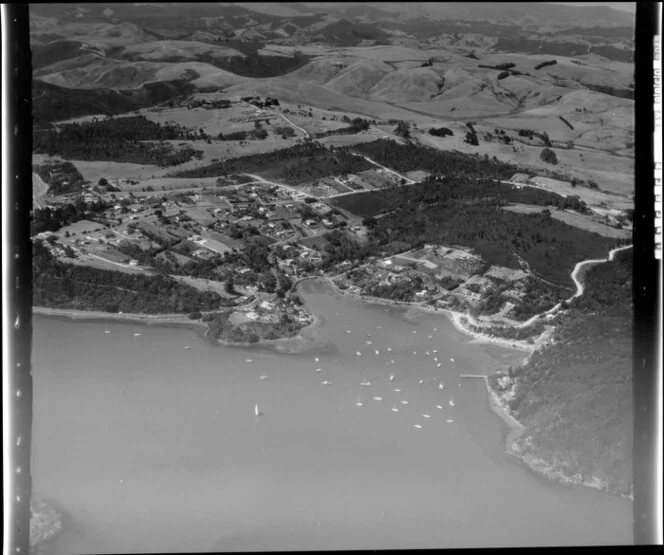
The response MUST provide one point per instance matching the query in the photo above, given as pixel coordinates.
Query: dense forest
(117, 140)
(53, 103)
(411, 157)
(470, 215)
(61, 177)
(297, 163)
(60, 285)
(575, 396)
(53, 218)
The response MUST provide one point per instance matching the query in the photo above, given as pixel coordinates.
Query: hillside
(575, 396)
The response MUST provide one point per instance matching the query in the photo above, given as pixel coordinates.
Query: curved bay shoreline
(301, 343)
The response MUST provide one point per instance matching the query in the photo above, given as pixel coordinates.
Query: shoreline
(538, 466)
(453, 316)
(181, 321)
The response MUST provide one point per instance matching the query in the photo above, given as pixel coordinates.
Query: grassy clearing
(574, 219)
(364, 204)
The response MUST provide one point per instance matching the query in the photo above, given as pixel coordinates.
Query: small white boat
(319, 369)
(377, 352)
(451, 403)
(368, 342)
(435, 351)
(248, 360)
(264, 377)
(377, 398)
(391, 377)
(389, 349)
(187, 347)
(441, 386)
(414, 352)
(316, 359)
(256, 411)
(431, 337)
(137, 335)
(395, 409)
(358, 354)
(435, 359)
(435, 329)
(439, 407)
(326, 382)
(426, 353)
(404, 402)
(449, 421)
(107, 331)
(421, 382)
(365, 382)
(359, 403)
(426, 415)
(438, 365)
(417, 426)
(414, 331)
(397, 390)
(379, 328)
(347, 331)
(392, 362)
(451, 360)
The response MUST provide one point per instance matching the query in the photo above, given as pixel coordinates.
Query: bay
(148, 446)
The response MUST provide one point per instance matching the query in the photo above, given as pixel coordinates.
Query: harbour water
(146, 446)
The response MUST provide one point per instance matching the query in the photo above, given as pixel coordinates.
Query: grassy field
(362, 204)
(576, 220)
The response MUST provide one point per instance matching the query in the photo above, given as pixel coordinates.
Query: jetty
(473, 376)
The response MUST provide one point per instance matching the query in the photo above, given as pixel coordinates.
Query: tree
(402, 130)
(547, 155)
(103, 182)
(229, 287)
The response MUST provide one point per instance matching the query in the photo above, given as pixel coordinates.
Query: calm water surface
(150, 447)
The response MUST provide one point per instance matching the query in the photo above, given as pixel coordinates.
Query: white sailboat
(319, 369)
(439, 407)
(326, 382)
(394, 408)
(137, 335)
(426, 415)
(451, 403)
(365, 382)
(359, 402)
(391, 377)
(358, 354)
(397, 390)
(264, 377)
(377, 398)
(438, 365)
(256, 411)
(417, 426)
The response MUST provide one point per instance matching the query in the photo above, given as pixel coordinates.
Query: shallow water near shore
(151, 447)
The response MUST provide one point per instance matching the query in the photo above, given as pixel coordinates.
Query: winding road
(457, 317)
